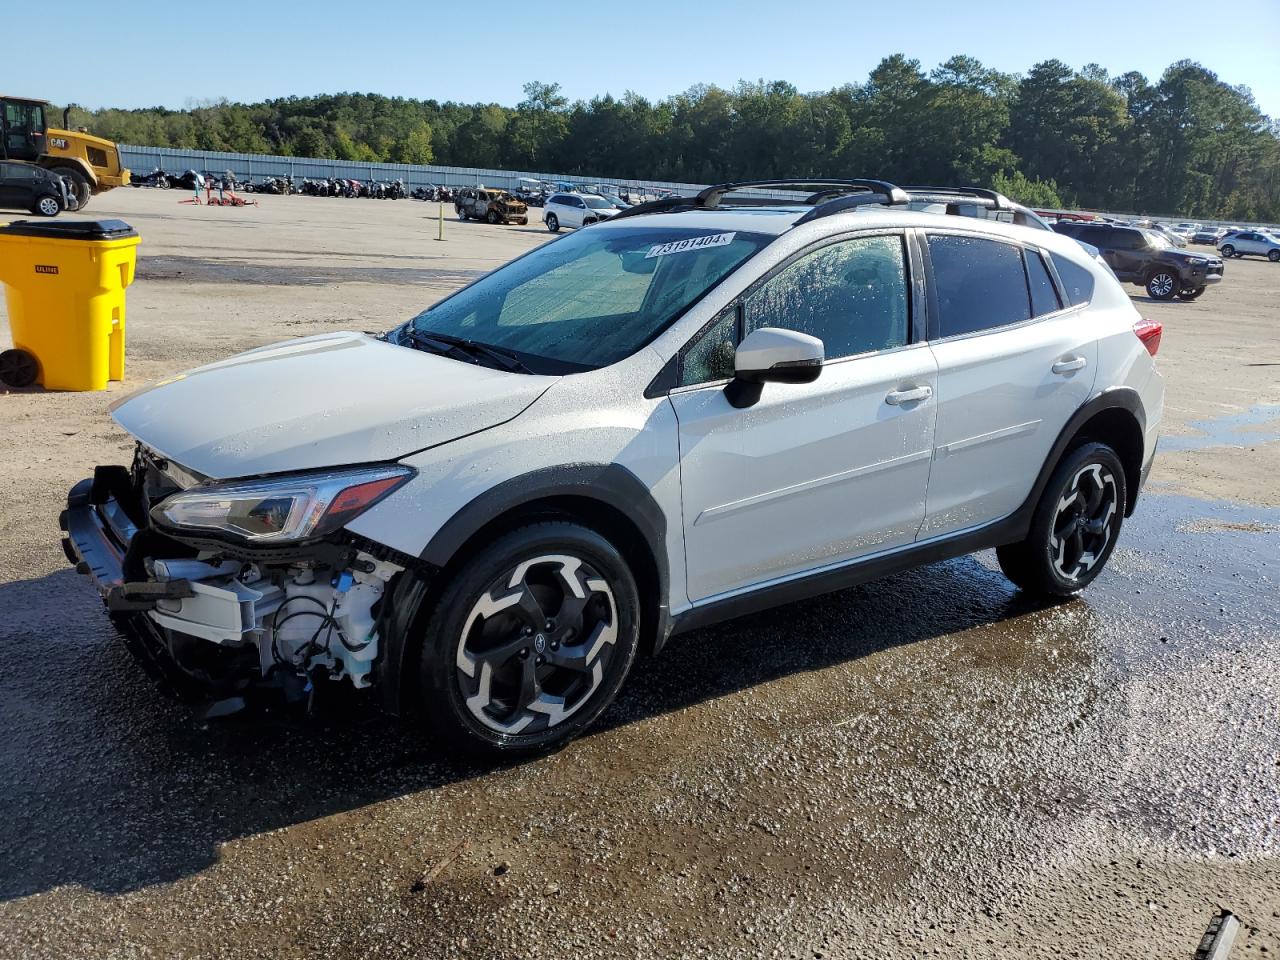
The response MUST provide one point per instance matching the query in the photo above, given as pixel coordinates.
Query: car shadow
(111, 786)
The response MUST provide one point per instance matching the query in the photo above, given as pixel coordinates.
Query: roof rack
(852, 193)
(838, 196)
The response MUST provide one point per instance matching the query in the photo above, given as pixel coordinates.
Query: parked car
(25, 186)
(1170, 234)
(1250, 243)
(493, 206)
(1146, 258)
(540, 477)
(1209, 236)
(575, 210)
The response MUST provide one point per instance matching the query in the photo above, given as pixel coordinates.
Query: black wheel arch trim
(610, 484)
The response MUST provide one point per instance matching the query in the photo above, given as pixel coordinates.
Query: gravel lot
(927, 765)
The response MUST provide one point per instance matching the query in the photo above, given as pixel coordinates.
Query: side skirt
(1009, 530)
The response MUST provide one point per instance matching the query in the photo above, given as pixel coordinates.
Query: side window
(852, 295)
(710, 357)
(980, 284)
(1076, 280)
(1096, 236)
(1044, 297)
(1126, 240)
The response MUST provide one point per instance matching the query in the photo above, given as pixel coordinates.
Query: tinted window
(980, 284)
(1096, 235)
(1076, 280)
(1126, 240)
(1044, 297)
(851, 295)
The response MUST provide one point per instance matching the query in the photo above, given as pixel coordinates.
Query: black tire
(1190, 294)
(1228, 250)
(1063, 553)
(553, 223)
(1273, 256)
(18, 368)
(79, 186)
(1162, 284)
(505, 646)
(46, 207)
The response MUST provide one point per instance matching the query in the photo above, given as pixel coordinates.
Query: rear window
(979, 283)
(1076, 280)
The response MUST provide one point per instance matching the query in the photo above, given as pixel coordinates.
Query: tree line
(1188, 144)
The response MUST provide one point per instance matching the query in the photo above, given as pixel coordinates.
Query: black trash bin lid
(70, 229)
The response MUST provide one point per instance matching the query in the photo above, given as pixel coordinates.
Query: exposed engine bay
(217, 618)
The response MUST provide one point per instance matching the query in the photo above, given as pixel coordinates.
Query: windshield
(598, 203)
(593, 297)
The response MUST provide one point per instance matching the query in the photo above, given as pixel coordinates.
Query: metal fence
(255, 166)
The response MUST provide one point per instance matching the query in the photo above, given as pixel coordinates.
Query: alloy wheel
(48, 206)
(1161, 286)
(537, 644)
(1082, 524)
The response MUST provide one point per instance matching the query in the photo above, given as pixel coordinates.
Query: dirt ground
(923, 766)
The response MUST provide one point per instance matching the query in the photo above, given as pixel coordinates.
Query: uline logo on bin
(46, 268)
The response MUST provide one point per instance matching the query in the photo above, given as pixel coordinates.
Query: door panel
(1001, 406)
(811, 475)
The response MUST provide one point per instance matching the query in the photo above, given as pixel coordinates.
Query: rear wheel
(18, 368)
(462, 213)
(1075, 525)
(1162, 285)
(530, 640)
(1228, 250)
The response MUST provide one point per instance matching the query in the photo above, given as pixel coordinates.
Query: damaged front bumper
(213, 621)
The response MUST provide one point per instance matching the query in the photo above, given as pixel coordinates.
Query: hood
(325, 401)
(86, 138)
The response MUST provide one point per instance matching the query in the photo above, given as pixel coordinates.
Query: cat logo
(58, 143)
(46, 268)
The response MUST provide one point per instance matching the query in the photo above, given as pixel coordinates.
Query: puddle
(1230, 431)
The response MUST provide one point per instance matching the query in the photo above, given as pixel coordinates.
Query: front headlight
(281, 509)
(1197, 261)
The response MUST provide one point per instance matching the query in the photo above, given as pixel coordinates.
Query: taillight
(1149, 331)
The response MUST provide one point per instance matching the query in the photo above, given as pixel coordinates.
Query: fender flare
(52, 161)
(609, 484)
(1115, 398)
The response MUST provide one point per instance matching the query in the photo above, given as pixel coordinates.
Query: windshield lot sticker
(693, 243)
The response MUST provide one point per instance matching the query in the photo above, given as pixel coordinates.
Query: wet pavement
(925, 763)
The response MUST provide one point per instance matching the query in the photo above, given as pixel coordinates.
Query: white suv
(1245, 243)
(575, 210)
(701, 408)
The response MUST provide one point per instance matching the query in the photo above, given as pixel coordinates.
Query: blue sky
(426, 50)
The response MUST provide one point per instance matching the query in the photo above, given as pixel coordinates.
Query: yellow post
(441, 237)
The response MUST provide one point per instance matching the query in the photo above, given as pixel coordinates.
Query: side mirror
(772, 355)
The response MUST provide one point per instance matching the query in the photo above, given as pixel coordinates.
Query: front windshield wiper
(504, 359)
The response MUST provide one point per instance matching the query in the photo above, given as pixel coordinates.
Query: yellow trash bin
(64, 284)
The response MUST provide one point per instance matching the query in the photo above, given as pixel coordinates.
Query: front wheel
(47, 207)
(1273, 256)
(1162, 285)
(78, 185)
(530, 640)
(462, 214)
(1228, 250)
(553, 223)
(1075, 525)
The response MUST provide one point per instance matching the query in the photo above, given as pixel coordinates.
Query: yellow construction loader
(89, 164)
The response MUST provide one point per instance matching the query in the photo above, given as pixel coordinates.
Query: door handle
(1069, 366)
(899, 397)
